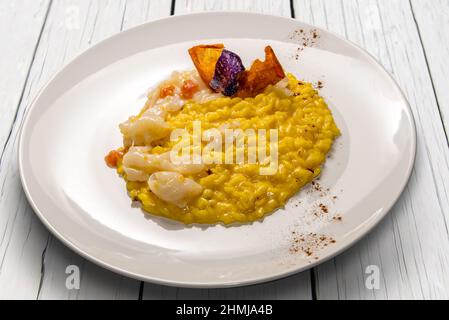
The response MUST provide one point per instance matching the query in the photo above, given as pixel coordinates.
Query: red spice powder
(310, 243)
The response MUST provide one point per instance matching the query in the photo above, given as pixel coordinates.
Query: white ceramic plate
(73, 122)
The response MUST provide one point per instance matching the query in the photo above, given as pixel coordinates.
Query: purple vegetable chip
(228, 70)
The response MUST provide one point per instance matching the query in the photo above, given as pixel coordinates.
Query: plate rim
(219, 284)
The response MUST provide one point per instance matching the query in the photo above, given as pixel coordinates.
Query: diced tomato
(112, 158)
(167, 91)
(189, 88)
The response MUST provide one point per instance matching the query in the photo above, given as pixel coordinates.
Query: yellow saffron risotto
(238, 192)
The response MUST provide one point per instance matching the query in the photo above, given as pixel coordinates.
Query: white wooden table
(410, 247)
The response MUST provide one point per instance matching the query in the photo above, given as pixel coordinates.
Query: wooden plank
(276, 7)
(94, 282)
(411, 245)
(33, 263)
(295, 287)
(141, 11)
(292, 288)
(433, 24)
(21, 23)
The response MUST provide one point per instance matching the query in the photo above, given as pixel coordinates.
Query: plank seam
(123, 16)
(337, 283)
(85, 22)
(429, 70)
(344, 18)
(313, 284)
(172, 7)
(41, 281)
(292, 9)
(326, 20)
(382, 24)
(93, 27)
(140, 297)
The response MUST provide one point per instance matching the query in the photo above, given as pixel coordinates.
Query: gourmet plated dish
(222, 143)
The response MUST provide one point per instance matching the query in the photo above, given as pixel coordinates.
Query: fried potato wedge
(260, 75)
(205, 58)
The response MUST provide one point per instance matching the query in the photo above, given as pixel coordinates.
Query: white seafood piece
(155, 111)
(283, 86)
(160, 106)
(174, 188)
(170, 104)
(137, 158)
(206, 95)
(282, 83)
(144, 130)
(182, 165)
(135, 174)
